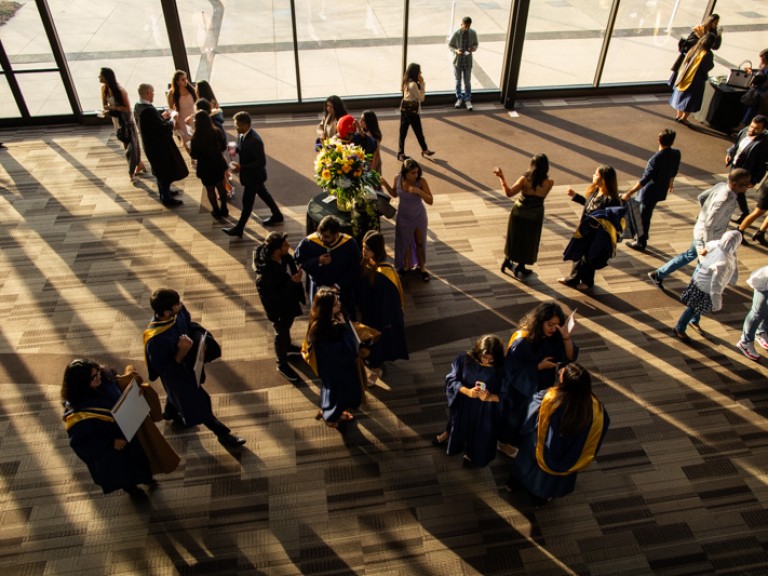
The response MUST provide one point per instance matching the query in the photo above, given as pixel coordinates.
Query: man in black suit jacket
(253, 174)
(750, 151)
(161, 150)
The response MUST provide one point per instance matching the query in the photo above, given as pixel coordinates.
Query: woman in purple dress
(411, 221)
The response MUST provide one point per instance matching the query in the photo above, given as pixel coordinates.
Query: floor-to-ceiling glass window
(349, 48)
(243, 48)
(128, 36)
(29, 52)
(644, 42)
(431, 24)
(562, 45)
(745, 33)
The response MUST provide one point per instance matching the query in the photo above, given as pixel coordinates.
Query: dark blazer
(253, 159)
(660, 170)
(159, 146)
(754, 156)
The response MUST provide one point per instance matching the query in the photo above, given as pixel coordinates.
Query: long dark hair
(488, 344)
(412, 75)
(76, 383)
(374, 241)
(204, 90)
(339, 109)
(372, 124)
(205, 136)
(533, 322)
(113, 87)
(538, 172)
(321, 321)
(705, 43)
(610, 180)
(176, 89)
(574, 394)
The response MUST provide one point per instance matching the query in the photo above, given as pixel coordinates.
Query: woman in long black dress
(527, 214)
(690, 79)
(602, 193)
(89, 393)
(208, 142)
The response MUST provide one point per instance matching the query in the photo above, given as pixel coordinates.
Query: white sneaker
(748, 348)
(459, 103)
(762, 340)
(468, 104)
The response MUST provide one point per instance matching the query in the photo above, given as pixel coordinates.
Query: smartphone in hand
(480, 385)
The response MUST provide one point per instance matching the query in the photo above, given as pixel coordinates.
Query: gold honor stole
(343, 239)
(516, 335)
(685, 78)
(593, 438)
(155, 328)
(97, 413)
(388, 271)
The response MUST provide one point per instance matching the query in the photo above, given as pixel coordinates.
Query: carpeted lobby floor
(681, 484)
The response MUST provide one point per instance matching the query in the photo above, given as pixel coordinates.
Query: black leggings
(414, 120)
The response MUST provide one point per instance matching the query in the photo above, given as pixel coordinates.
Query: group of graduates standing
(532, 402)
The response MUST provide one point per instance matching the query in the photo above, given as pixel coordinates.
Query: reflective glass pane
(125, 36)
(349, 48)
(244, 49)
(8, 108)
(44, 93)
(562, 42)
(25, 41)
(431, 25)
(644, 42)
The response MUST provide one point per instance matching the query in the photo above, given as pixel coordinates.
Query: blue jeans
(466, 75)
(688, 315)
(678, 262)
(756, 321)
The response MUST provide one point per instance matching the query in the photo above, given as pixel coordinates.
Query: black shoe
(654, 276)
(759, 236)
(294, 350)
(135, 493)
(231, 441)
(233, 231)
(504, 265)
(216, 214)
(744, 241)
(287, 372)
(272, 220)
(682, 336)
(172, 203)
(224, 212)
(174, 192)
(636, 246)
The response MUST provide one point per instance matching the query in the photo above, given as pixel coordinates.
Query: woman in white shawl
(717, 268)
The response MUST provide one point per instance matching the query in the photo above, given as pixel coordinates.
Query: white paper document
(130, 410)
(200, 359)
(571, 322)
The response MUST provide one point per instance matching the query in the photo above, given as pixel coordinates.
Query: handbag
(738, 77)
(123, 133)
(751, 97)
(409, 106)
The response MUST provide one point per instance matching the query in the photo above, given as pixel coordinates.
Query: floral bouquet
(342, 170)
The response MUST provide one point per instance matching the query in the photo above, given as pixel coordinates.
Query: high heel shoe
(427, 153)
(505, 265)
(401, 157)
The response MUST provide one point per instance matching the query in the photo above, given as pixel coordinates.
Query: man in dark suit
(750, 152)
(161, 150)
(657, 180)
(253, 174)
